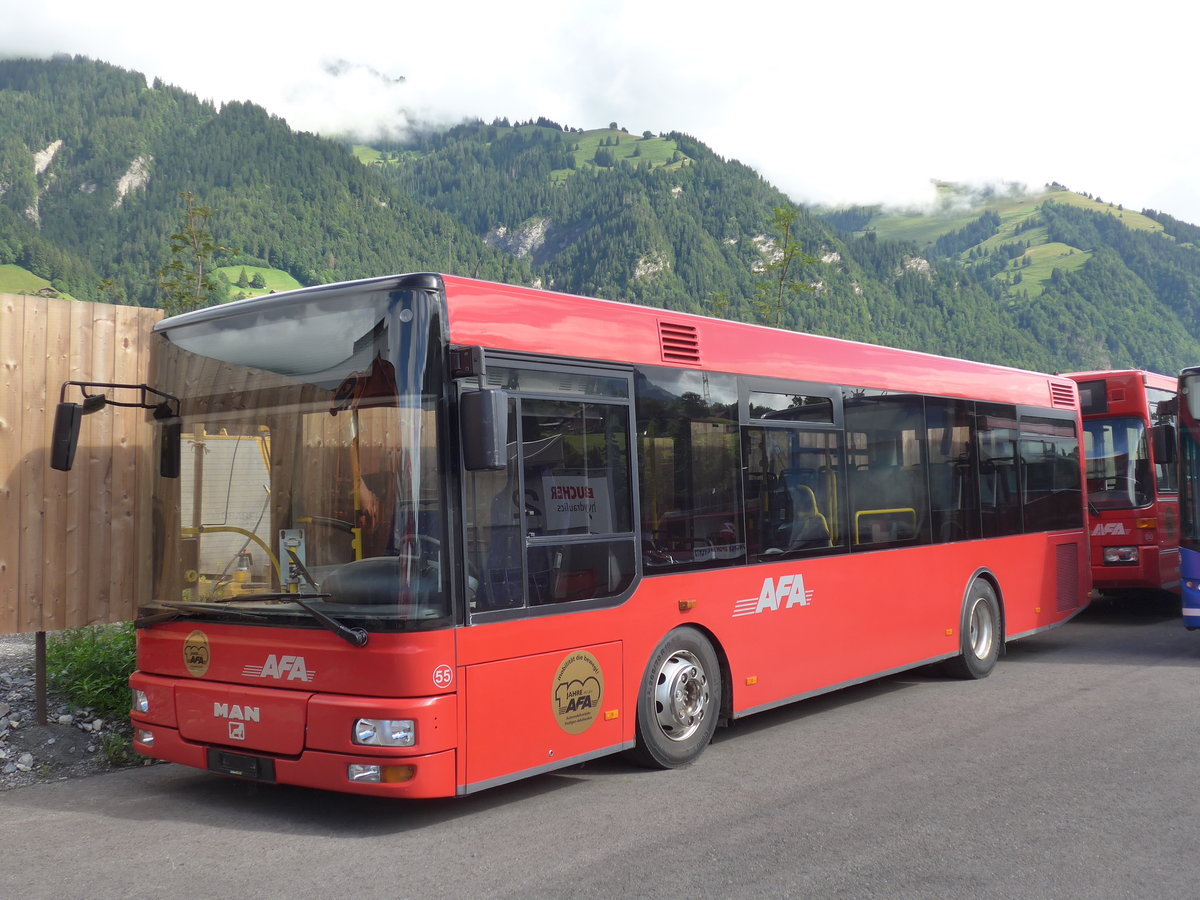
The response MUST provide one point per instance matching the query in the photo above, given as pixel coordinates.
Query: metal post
(40, 675)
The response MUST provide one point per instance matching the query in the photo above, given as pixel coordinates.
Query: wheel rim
(981, 628)
(681, 696)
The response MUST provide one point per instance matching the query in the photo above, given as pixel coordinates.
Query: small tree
(187, 280)
(780, 260)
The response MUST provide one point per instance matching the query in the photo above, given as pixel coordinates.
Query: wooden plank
(147, 459)
(57, 369)
(12, 327)
(130, 430)
(74, 552)
(95, 449)
(33, 473)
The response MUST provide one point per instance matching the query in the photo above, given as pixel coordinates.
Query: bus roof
(1149, 379)
(528, 320)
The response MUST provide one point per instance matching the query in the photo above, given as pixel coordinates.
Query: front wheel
(979, 633)
(679, 702)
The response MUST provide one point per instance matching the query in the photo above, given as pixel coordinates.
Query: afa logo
(1117, 529)
(783, 592)
(281, 668)
(196, 654)
(578, 690)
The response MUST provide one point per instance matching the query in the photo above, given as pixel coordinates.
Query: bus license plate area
(241, 766)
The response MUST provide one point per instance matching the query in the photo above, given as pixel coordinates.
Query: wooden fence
(69, 541)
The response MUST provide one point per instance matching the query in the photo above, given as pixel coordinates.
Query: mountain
(1116, 287)
(94, 161)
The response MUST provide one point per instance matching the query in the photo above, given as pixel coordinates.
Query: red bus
(1132, 481)
(427, 535)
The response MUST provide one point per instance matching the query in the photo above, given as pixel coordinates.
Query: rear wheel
(979, 633)
(679, 702)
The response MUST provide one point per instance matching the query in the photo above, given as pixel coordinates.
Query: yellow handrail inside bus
(204, 529)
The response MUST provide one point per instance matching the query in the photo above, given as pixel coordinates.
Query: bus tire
(679, 701)
(979, 633)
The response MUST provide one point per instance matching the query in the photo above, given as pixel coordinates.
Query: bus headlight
(1120, 556)
(368, 773)
(141, 703)
(385, 732)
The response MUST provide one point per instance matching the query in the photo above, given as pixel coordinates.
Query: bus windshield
(309, 485)
(1119, 475)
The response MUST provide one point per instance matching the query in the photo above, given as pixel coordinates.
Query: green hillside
(16, 280)
(94, 160)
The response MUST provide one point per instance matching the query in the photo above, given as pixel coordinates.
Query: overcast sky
(854, 102)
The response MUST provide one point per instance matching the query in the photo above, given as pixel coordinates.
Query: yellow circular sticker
(578, 690)
(195, 653)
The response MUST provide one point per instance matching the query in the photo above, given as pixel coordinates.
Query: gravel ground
(70, 745)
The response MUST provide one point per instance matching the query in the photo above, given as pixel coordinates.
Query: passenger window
(889, 500)
(557, 523)
(999, 496)
(577, 482)
(953, 488)
(1051, 474)
(793, 490)
(690, 459)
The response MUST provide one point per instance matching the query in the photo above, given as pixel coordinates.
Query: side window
(577, 499)
(495, 531)
(794, 492)
(999, 495)
(953, 488)
(1053, 486)
(557, 523)
(1163, 408)
(889, 500)
(687, 426)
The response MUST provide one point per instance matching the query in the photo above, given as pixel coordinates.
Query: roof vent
(679, 343)
(1062, 396)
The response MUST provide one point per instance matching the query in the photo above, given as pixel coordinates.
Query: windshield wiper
(187, 609)
(355, 636)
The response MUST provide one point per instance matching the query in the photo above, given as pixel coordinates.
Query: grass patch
(1043, 260)
(90, 668)
(17, 280)
(273, 280)
(923, 229)
(631, 148)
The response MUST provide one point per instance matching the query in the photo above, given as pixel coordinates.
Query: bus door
(550, 544)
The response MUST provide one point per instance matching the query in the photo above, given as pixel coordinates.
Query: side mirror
(1162, 440)
(483, 426)
(66, 436)
(168, 450)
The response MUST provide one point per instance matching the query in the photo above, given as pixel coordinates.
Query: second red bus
(1132, 482)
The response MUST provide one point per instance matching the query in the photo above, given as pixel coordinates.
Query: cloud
(862, 103)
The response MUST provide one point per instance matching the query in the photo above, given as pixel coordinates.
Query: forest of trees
(657, 220)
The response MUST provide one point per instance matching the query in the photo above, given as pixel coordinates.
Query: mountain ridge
(657, 219)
